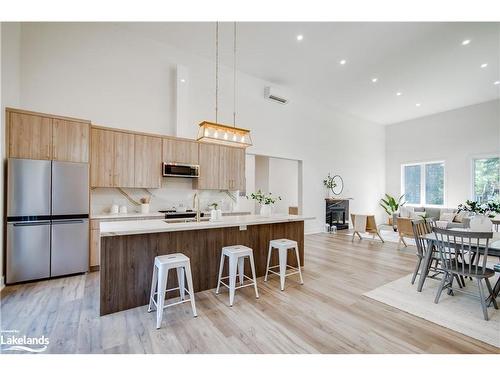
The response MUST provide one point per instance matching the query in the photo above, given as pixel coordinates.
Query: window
(423, 183)
(486, 179)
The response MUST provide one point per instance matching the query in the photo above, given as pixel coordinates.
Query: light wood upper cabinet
(232, 168)
(101, 158)
(124, 159)
(148, 161)
(70, 140)
(32, 135)
(180, 151)
(237, 168)
(29, 136)
(209, 167)
(225, 171)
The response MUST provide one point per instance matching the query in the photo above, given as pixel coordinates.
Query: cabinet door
(179, 151)
(225, 168)
(70, 141)
(238, 181)
(232, 168)
(95, 246)
(209, 166)
(147, 161)
(29, 136)
(101, 158)
(124, 160)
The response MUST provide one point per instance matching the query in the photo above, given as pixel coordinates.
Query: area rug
(461, 313)
(387, 235)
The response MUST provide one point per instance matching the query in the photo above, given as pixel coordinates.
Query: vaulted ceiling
(428, 64)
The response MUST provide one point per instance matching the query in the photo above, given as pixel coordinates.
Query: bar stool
(236, 255)
(283, 245)
(162, 265)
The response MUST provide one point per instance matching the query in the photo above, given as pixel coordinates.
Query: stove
(173, 214)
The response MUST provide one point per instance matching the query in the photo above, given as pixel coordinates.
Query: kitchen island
(128, 249)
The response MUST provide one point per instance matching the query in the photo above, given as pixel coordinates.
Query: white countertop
(132, 215)
(123, 228)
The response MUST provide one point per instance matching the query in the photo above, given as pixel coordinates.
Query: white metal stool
(283, 245)
(236, 255)
(162, 265)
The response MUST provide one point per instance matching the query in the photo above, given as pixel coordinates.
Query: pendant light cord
(216, 71)
(234, 76)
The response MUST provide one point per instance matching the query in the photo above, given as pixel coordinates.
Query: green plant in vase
(391, 205)
(265, 201)
(329, 183)
(489, 209)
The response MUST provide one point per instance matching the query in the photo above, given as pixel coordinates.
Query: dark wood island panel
(127, 261)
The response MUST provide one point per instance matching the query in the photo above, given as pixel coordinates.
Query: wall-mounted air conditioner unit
(274, 95)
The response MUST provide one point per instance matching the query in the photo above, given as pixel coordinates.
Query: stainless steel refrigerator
(47, 219)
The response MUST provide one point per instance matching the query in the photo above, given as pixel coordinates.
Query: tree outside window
(486, 179)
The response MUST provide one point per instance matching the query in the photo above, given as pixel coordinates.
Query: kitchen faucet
(196, 200)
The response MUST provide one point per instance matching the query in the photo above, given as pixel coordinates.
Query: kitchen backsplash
(174, 192)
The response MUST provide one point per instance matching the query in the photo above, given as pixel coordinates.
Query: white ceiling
(426, 62)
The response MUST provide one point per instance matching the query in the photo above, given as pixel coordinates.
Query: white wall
(103, 73)
(284, 182)
(10, 34)
(454, 136)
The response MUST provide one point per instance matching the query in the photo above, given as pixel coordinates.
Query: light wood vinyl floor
(328, 314)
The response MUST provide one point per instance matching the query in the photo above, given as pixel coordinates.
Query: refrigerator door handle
(31, 223)
(69, 221)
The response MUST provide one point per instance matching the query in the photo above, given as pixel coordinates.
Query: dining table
(493, 251)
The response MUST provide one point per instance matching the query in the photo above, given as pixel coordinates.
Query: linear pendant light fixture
(213, 132)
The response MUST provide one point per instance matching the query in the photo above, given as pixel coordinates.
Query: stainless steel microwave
(181, 170)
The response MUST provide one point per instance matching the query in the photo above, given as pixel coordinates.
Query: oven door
(180, 170)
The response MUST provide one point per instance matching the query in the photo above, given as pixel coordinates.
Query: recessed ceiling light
(183, 80)
(399, 93)
(465, 42)
(343, 62)
(496, 83)
(418, 105)
(484, 65)
(300, 37)
(374, 79)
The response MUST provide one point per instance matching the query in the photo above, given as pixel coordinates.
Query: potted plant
(330, 184)
(482, 213)
(489, 209)
(214, 212)
(266, 201)
(145, 205)
(391, 205)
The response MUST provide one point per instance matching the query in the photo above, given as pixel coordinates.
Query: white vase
(213, 215)
(265, 210)
(144, 208)
(481, 223)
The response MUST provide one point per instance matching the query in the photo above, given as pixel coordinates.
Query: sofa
(455, 219)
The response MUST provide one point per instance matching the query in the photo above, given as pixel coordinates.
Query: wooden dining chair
(420, 228)
(405, 229)
(371, 227)
(460, 254)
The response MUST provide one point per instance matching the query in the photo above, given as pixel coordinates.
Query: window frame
(473, 170)
(423, 196)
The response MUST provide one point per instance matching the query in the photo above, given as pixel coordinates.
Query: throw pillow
(445, 212)
(459, 218)
(417, 215)
(447, 216)
(406, 211)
